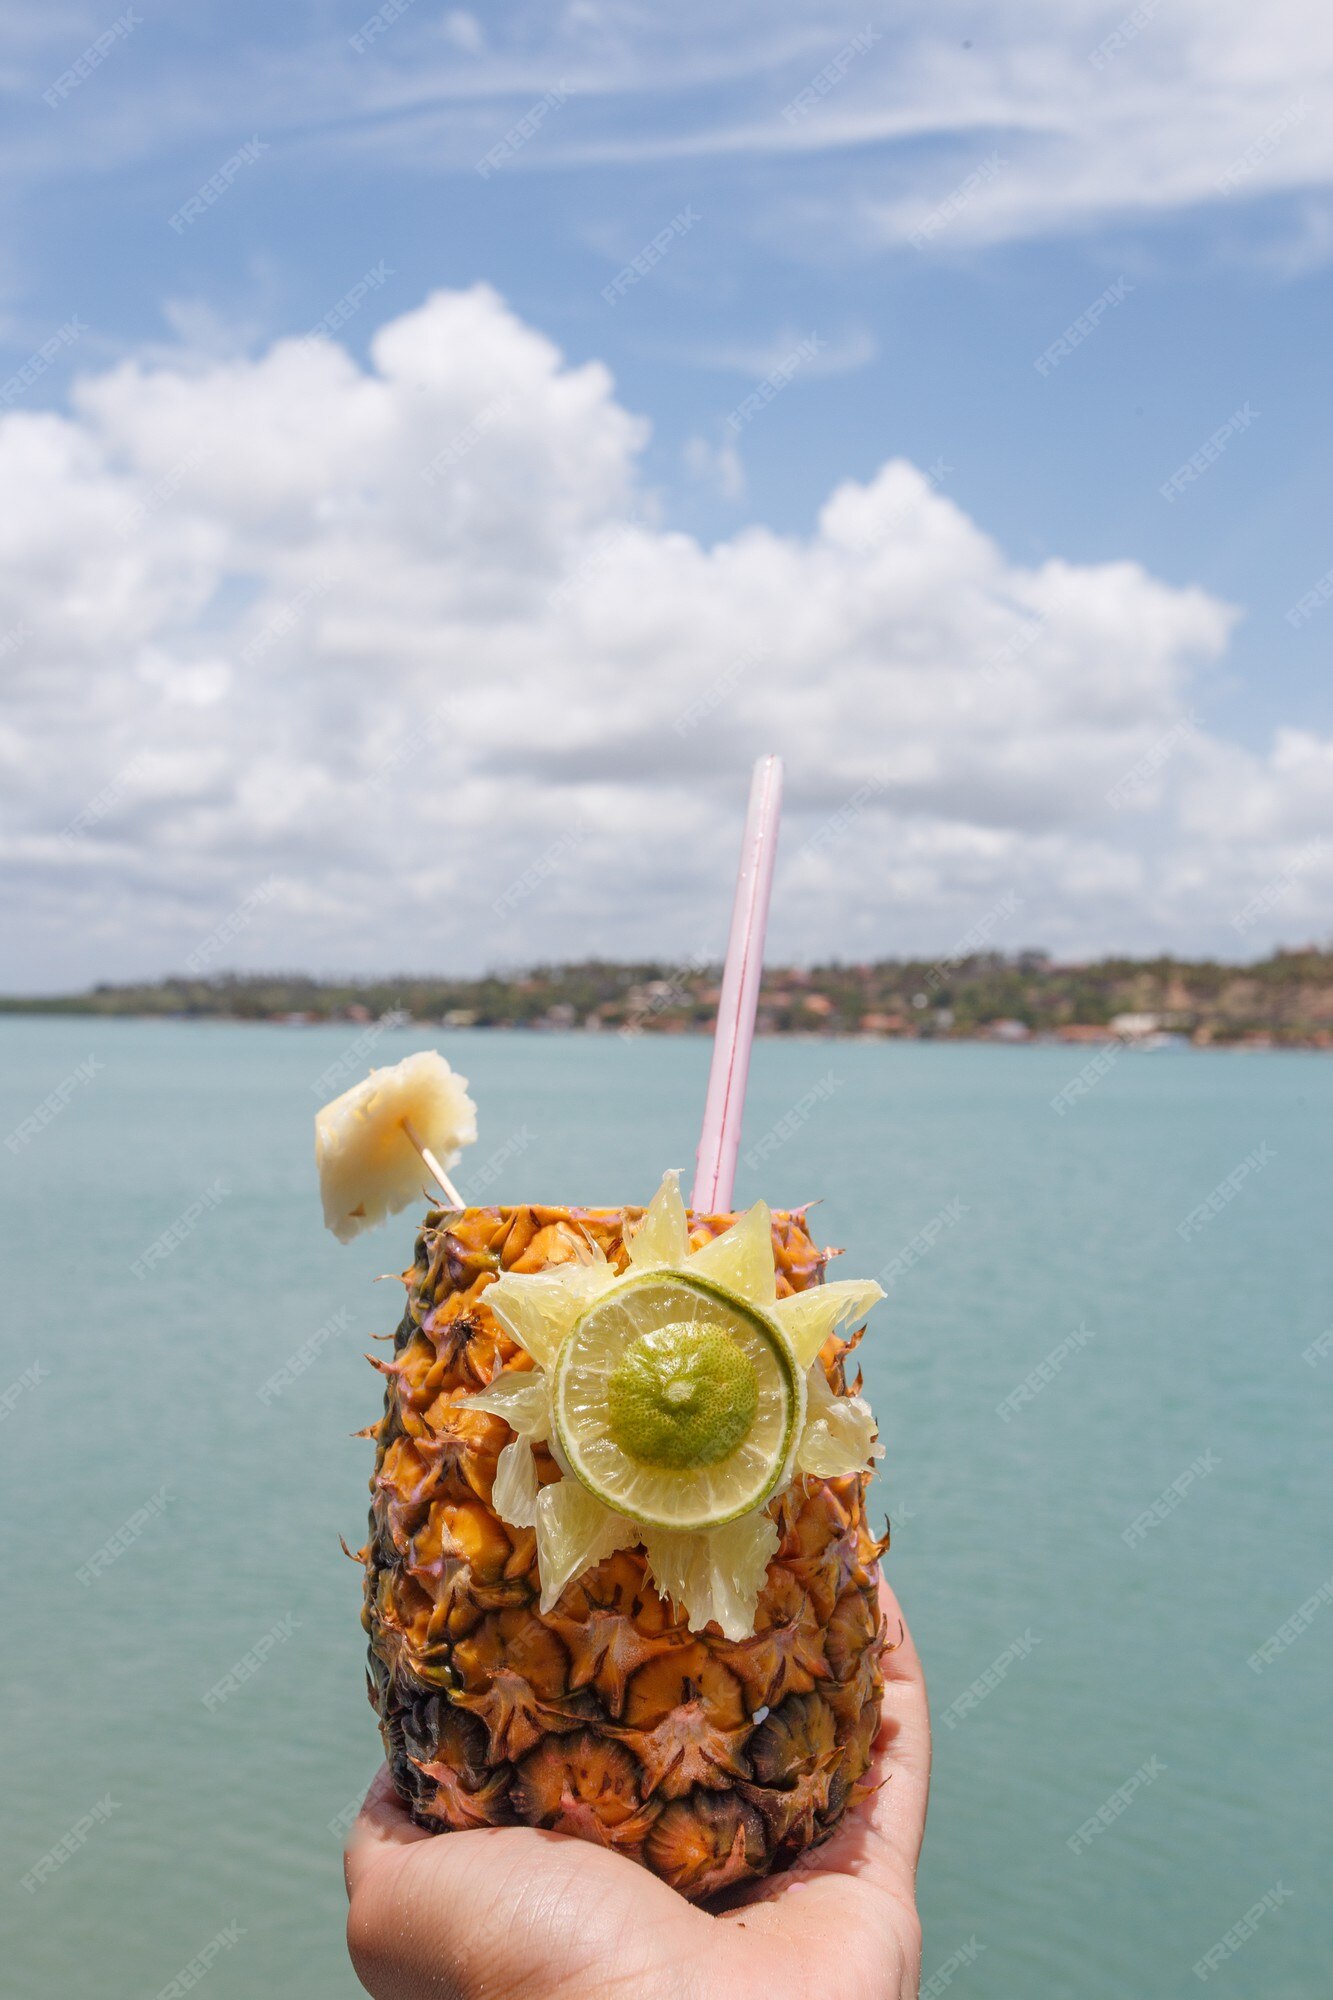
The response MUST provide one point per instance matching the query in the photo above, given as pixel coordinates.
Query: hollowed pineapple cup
(708, 1760)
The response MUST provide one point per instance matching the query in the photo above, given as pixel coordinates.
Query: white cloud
(1102, 110)
(387, 638)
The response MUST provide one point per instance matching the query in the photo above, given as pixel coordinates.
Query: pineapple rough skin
(710, 1761)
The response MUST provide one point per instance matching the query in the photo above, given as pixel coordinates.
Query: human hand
(519, 1913)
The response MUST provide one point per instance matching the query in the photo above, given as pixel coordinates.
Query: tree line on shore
(1283, 1000)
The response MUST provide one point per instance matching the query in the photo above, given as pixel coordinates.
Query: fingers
(904, 1736)
(851, 1903)
(879, 1841)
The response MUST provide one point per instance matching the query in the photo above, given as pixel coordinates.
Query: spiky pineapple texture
(709, 1760)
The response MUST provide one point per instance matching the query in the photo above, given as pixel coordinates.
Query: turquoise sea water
(1180, 1376)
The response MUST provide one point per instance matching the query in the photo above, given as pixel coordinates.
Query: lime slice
(676, 1402)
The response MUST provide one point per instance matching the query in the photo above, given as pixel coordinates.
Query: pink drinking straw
(719, 1142)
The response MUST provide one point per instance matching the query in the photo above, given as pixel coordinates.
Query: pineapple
(601, 1705)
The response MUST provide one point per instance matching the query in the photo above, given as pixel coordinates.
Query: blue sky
(1170, 161)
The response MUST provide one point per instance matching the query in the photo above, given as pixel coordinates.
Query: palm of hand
(513, 1912)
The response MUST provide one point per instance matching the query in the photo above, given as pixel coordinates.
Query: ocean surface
(1108, 1470)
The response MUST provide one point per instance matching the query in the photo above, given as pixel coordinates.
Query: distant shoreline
(969, 995)
(1173, 1044)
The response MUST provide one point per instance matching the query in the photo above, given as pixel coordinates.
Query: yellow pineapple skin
(710, 1761)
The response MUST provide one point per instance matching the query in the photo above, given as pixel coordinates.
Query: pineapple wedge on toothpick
(370, 1142)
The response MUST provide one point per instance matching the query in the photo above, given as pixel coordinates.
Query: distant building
(1135, 1027)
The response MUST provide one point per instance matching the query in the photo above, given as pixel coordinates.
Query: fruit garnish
(838, 1428)
(676, 1402)
(370, 1143)
(808, 1318)
(679, 1399)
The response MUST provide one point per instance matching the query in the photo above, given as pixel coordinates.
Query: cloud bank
(399, 667)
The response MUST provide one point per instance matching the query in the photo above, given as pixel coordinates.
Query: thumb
(381, 1825)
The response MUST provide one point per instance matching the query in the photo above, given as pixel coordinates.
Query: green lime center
(682, 1396)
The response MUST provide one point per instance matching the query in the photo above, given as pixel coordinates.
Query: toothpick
(455, 1198)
